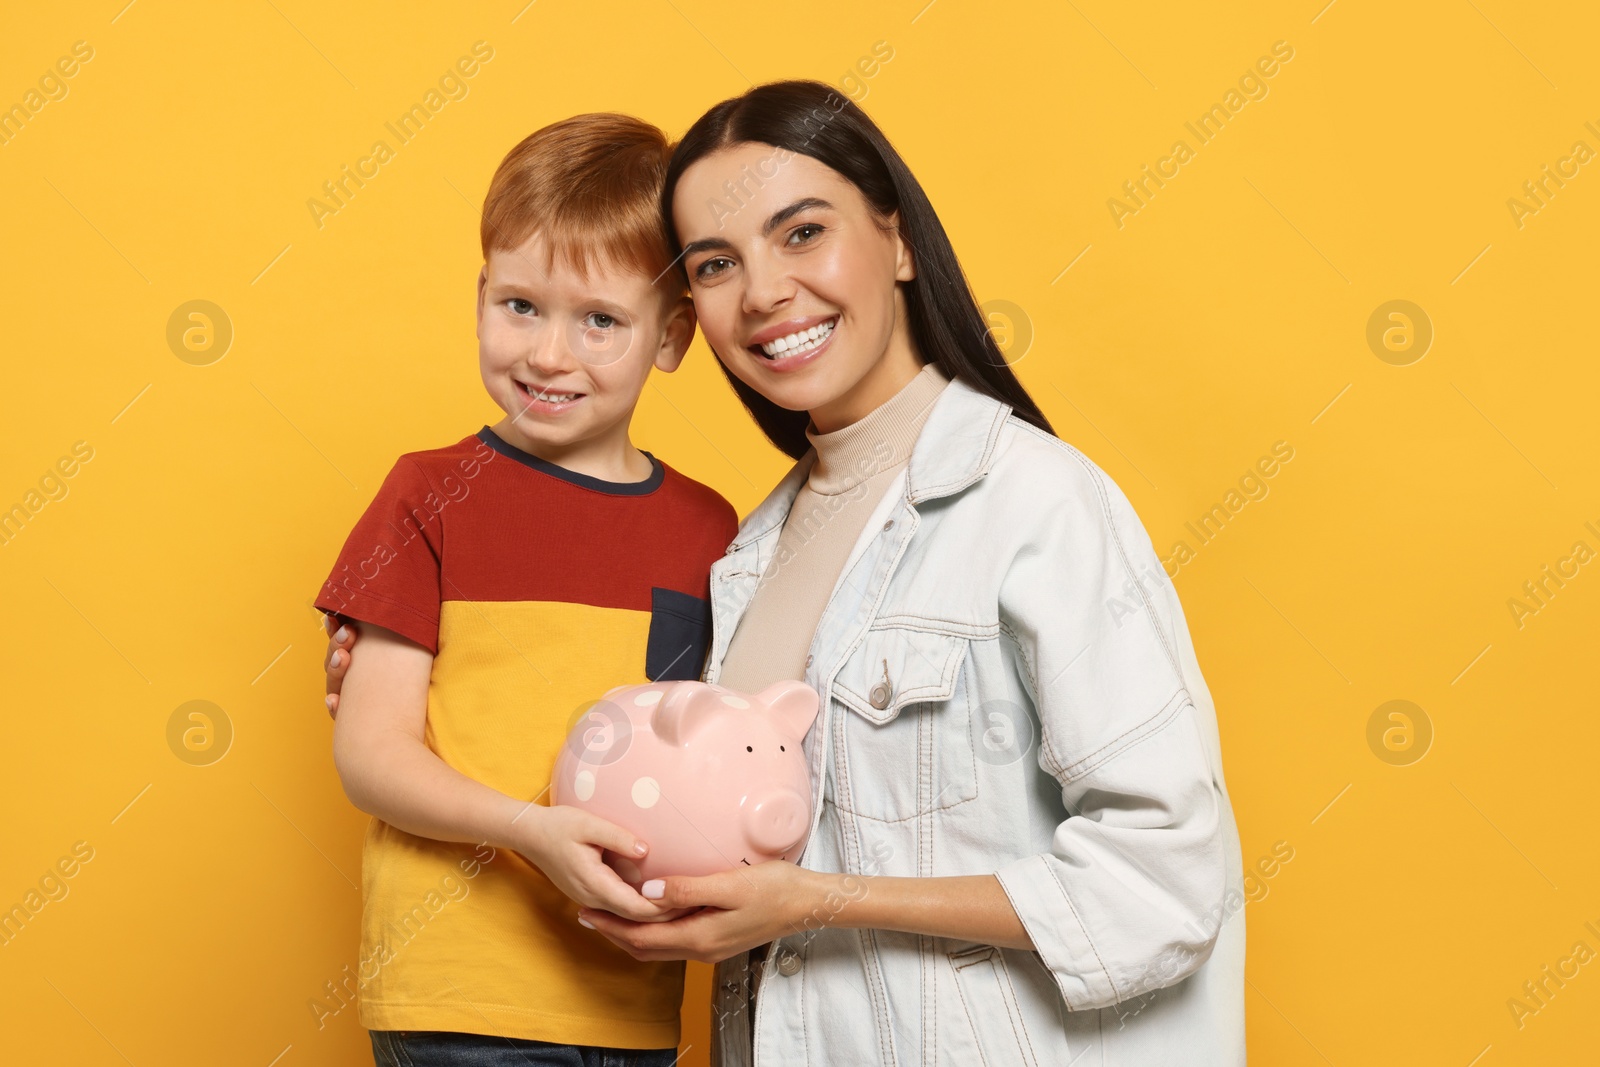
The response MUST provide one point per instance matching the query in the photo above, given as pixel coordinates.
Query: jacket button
(788, 964)
(808, 661)
(889, 525)
(879, 697)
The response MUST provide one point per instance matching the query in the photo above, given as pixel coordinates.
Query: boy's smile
(547, 399)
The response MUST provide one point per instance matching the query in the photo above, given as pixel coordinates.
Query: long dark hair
(816, 120)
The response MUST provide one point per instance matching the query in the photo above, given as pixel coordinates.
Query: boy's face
(566, 356)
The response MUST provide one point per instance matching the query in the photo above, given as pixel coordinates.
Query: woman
(1023, 845)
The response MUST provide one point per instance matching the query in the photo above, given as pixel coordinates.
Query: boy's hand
(566, 844)
(338, 660)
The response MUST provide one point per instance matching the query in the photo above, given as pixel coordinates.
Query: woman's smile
(790, 346)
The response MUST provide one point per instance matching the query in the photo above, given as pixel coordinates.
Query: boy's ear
(905, 262)
(677, 335)
(483, 278)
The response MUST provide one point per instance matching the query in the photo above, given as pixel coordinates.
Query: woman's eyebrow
(705, 244)
(782, 215)
(776, 219)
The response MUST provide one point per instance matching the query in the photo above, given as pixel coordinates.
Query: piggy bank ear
(679, 714)
(793, 706)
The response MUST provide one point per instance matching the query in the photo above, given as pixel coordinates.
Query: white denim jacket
(1009, 688)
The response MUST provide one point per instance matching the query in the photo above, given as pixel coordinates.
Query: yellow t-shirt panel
(477, 939)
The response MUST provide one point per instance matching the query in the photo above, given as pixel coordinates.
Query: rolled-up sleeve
(1129, 896)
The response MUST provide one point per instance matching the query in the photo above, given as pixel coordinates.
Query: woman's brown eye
(706, 269)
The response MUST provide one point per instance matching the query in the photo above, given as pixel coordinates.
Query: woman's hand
(337, 660)
(750, 906)
(737, 910)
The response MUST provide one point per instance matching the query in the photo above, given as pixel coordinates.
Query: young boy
(501, 584)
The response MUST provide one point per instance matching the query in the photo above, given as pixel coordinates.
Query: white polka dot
(646, 791)
(583, 785)
(735, 701)
(648, 697)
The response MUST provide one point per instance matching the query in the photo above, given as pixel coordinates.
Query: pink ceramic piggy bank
(709, 778)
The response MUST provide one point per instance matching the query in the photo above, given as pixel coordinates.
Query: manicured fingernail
(341, 633)
(585, 923)
(328, 700)
(640, 848)
(336, 658)
(654, 889)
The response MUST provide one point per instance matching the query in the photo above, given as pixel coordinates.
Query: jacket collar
(954, 450)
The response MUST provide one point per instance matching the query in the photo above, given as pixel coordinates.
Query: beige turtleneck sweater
(854, 465)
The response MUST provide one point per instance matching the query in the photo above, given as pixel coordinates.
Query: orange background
(1175, 345)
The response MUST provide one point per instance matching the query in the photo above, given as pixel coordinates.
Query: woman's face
(794, 281)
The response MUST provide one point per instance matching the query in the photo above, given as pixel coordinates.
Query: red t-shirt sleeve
(388, 572)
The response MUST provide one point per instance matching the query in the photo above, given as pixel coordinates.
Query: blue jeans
(440, 1048)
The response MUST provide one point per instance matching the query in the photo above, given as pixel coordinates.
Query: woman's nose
(767, 285)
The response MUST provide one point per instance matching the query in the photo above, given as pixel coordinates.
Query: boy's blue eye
(519, 306)
(601, 320)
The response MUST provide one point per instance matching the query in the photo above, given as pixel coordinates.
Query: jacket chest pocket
(902, 741)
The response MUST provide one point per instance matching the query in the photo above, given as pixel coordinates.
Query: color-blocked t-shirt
(537, 589)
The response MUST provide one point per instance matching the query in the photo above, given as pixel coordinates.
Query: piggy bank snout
(777, 821)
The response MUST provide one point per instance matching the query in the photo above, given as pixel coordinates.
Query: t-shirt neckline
(584, 481)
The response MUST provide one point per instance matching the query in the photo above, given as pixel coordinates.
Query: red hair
(591, 187)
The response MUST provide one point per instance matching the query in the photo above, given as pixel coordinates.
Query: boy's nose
(548, 352)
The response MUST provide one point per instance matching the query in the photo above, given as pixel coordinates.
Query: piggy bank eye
(782, 749)
(747, 748)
